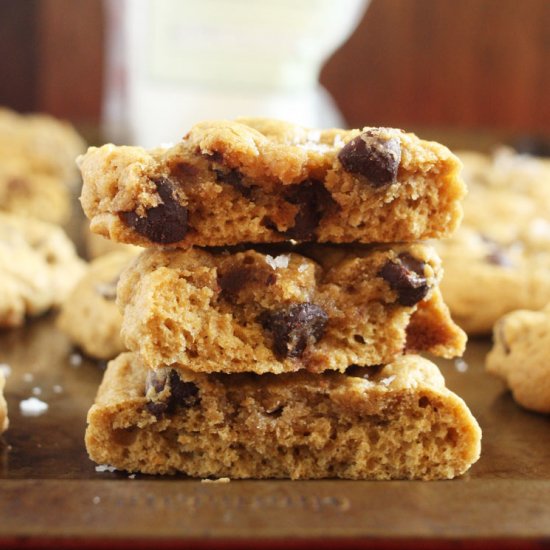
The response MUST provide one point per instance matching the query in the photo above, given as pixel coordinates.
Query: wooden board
(50, 491)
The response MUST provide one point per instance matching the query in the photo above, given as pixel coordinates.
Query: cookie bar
(89, 316)
(499, 259)
(4, 421)
(260, 181)
(520, 357)
(27, 193)
(320, 308)
(392, 422)
(47, 146)
(38, 268)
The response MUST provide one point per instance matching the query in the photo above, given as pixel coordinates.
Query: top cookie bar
(260, 181)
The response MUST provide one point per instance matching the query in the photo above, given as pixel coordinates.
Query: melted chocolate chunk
(406, 277)
(232, 281)
(235, 179)
(313, 201)
(162, 224)
(108, 290)
(295, 327)
(374, 156)
(171, 392)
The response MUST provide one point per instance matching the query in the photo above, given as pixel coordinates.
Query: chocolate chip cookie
(4, 421)
(47, 145)
(261, 181)
(313, 307)
(89, 315)
(520, 356)
(392, 422)
(499, 260)
(38, 268)
(33, 194)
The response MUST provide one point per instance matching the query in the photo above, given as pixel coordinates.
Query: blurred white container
(172, 63)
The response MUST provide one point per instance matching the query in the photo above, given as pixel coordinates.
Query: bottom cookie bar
(392, 422)
(3, 406)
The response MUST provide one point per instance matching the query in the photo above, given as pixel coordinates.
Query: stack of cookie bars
(274, 318)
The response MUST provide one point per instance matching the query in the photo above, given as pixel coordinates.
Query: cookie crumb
(132, 476)
(32, 407)
(219, 480)
(461, 365)
(105, 468)
(96, 500)
(75, 359)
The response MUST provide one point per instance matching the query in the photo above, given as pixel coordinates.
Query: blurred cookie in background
(520, 357)
(4, 422)
(90, 316)
(47, 145)
(38, 268)
(38, 195)
(499, 259)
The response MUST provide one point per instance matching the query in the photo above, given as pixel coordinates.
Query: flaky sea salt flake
(32, 407)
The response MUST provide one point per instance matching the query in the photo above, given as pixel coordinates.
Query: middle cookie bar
(317, 309)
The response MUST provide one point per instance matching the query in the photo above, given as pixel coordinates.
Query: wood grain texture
(70, 58)
(469, 64)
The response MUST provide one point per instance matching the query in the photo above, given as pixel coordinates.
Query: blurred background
(467, 73)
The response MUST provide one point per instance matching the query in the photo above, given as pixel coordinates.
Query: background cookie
(38, 268)
(48, 145)
(90, 316)
(499, 260)
(34, 194)
(520, 357)
(4, 422)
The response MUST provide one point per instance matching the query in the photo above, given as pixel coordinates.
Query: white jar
(172, 63)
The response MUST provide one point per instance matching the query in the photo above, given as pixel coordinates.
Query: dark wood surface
(50, 491)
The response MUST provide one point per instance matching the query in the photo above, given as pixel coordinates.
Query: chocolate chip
(167, 391)
(313, 201)
(235, 179)
(500, 336)
(498, 257)
(406, 277)
(497, 254)
(295, 327)
(183, 170)
(374, 156)
(232, 281)
(163, 224)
